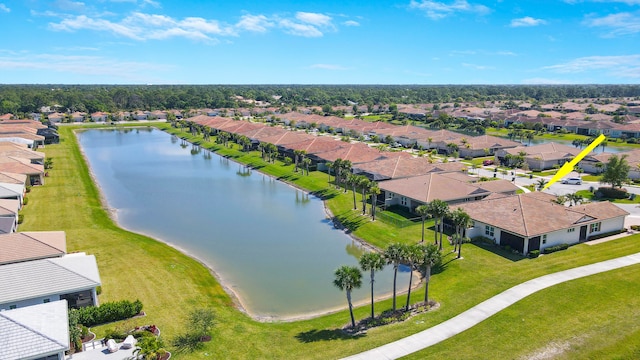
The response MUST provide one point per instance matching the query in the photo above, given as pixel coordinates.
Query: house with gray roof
(73, 277)
(533, 221)
(39, 332)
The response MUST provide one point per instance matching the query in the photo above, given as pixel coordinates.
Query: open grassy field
(170, 283)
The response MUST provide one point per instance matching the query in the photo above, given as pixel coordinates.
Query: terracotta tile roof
(548, 151)
(400, 167)
(535, 213)
(19, 166)
(12, 178)
(17, 247)
(443, 186)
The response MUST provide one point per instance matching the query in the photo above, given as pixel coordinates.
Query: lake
(270, 243)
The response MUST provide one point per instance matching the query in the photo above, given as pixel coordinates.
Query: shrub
(25, 201)
(612, 193)
(552, 249)
(482, 240)
(534, 254)
(108, 312)
(604, 235)
(20, 218)
(635, 227)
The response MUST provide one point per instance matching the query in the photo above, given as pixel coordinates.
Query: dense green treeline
(24, 99)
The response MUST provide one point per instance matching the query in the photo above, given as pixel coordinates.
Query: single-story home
(540, 157)
(32, 245)
(39, 332)
(73, 277)
(533, 221)
(451, 187)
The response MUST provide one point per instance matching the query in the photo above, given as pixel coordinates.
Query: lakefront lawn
(170, 284)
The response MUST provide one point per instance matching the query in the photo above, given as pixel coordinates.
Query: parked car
(572, 181)
(487, 162)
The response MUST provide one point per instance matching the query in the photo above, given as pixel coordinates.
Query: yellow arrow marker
(568, 166)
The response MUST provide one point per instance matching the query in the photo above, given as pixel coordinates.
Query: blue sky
(320, 42)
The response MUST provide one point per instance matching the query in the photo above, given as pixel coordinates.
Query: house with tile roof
(38, 332)
(533, 221)
(32, 245)
(34, 172)
(540, 157)
(73, 277)
(451, 187)
(401, 167)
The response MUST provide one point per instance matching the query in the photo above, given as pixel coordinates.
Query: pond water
(272, 244)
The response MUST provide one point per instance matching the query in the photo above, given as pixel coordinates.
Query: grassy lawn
(589, 195)
(170, 283)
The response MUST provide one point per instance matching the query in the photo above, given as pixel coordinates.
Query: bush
(604, 235)
(20, 218)
(108, 312)
(534, 254)
(114, 334)
(482, 240)
(25, 201)
(635, 227)
(611, 193)
(552, 249)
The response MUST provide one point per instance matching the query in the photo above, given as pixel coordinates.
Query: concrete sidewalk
(484, 310)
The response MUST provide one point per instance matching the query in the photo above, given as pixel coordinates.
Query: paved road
(486, 309)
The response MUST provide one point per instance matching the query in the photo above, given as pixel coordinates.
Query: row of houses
(519, 220)
(39, 280)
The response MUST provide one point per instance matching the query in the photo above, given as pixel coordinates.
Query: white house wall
(29, 302)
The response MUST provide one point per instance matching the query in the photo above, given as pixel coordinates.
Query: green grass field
(170, 283)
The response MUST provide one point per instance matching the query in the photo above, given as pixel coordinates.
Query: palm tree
(431, 256)
(374, 190)
(423, 211)
(372, 261)
(306, 162)
(329, 166)
(439, 210)
(394, 254)
(540, 184)
(345, 168)
(353, 180)
(364, 184)
(574, 199)
(348, 278)
(151, 347)
(461, 220)
(411, 256)
(337, 168)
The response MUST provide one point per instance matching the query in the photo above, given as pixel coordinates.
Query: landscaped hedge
(604, 235)
(552, 249)
(108, 312)
(611, 193)
(534, 254)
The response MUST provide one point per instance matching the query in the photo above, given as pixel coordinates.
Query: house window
(11, 307)
(571, 230)
(595, 227)
(403, 201)
(46, 301)
(489, 230)
(544, 238)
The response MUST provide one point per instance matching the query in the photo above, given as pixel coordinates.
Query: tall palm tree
(374, 190)
(353, 180)
(329, 166)
(394, 254)
(345, 166)
(372, 261)
(412, 256)
(337, 169)
(306, 162)
(439, 210)
(462, 221)
(348, 278)
(364, 184)
(423, 211)
(431, 256)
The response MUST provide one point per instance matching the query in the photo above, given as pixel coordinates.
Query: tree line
(24, 99)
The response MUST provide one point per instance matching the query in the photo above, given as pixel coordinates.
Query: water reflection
(302, 197)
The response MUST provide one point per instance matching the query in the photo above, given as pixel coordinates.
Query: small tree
(616, 171)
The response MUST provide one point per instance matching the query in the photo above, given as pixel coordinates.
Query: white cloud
(328, 67)
(140, 26)
(527, 21)
(95, 66)
(438, 10)
(625, 66)
(255, 23)
(351, 23)
(314, 18)
(478, 67)
(4, 8)
(506, 53)
(297, 29)
(619, 24)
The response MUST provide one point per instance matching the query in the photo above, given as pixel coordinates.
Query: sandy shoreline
(237, 300)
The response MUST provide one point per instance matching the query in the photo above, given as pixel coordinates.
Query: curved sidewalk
(482, 311)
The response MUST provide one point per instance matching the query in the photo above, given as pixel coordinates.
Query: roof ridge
(66, 268)
(395, 168)
(42, 242)
(524, 221)
(32, 330)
